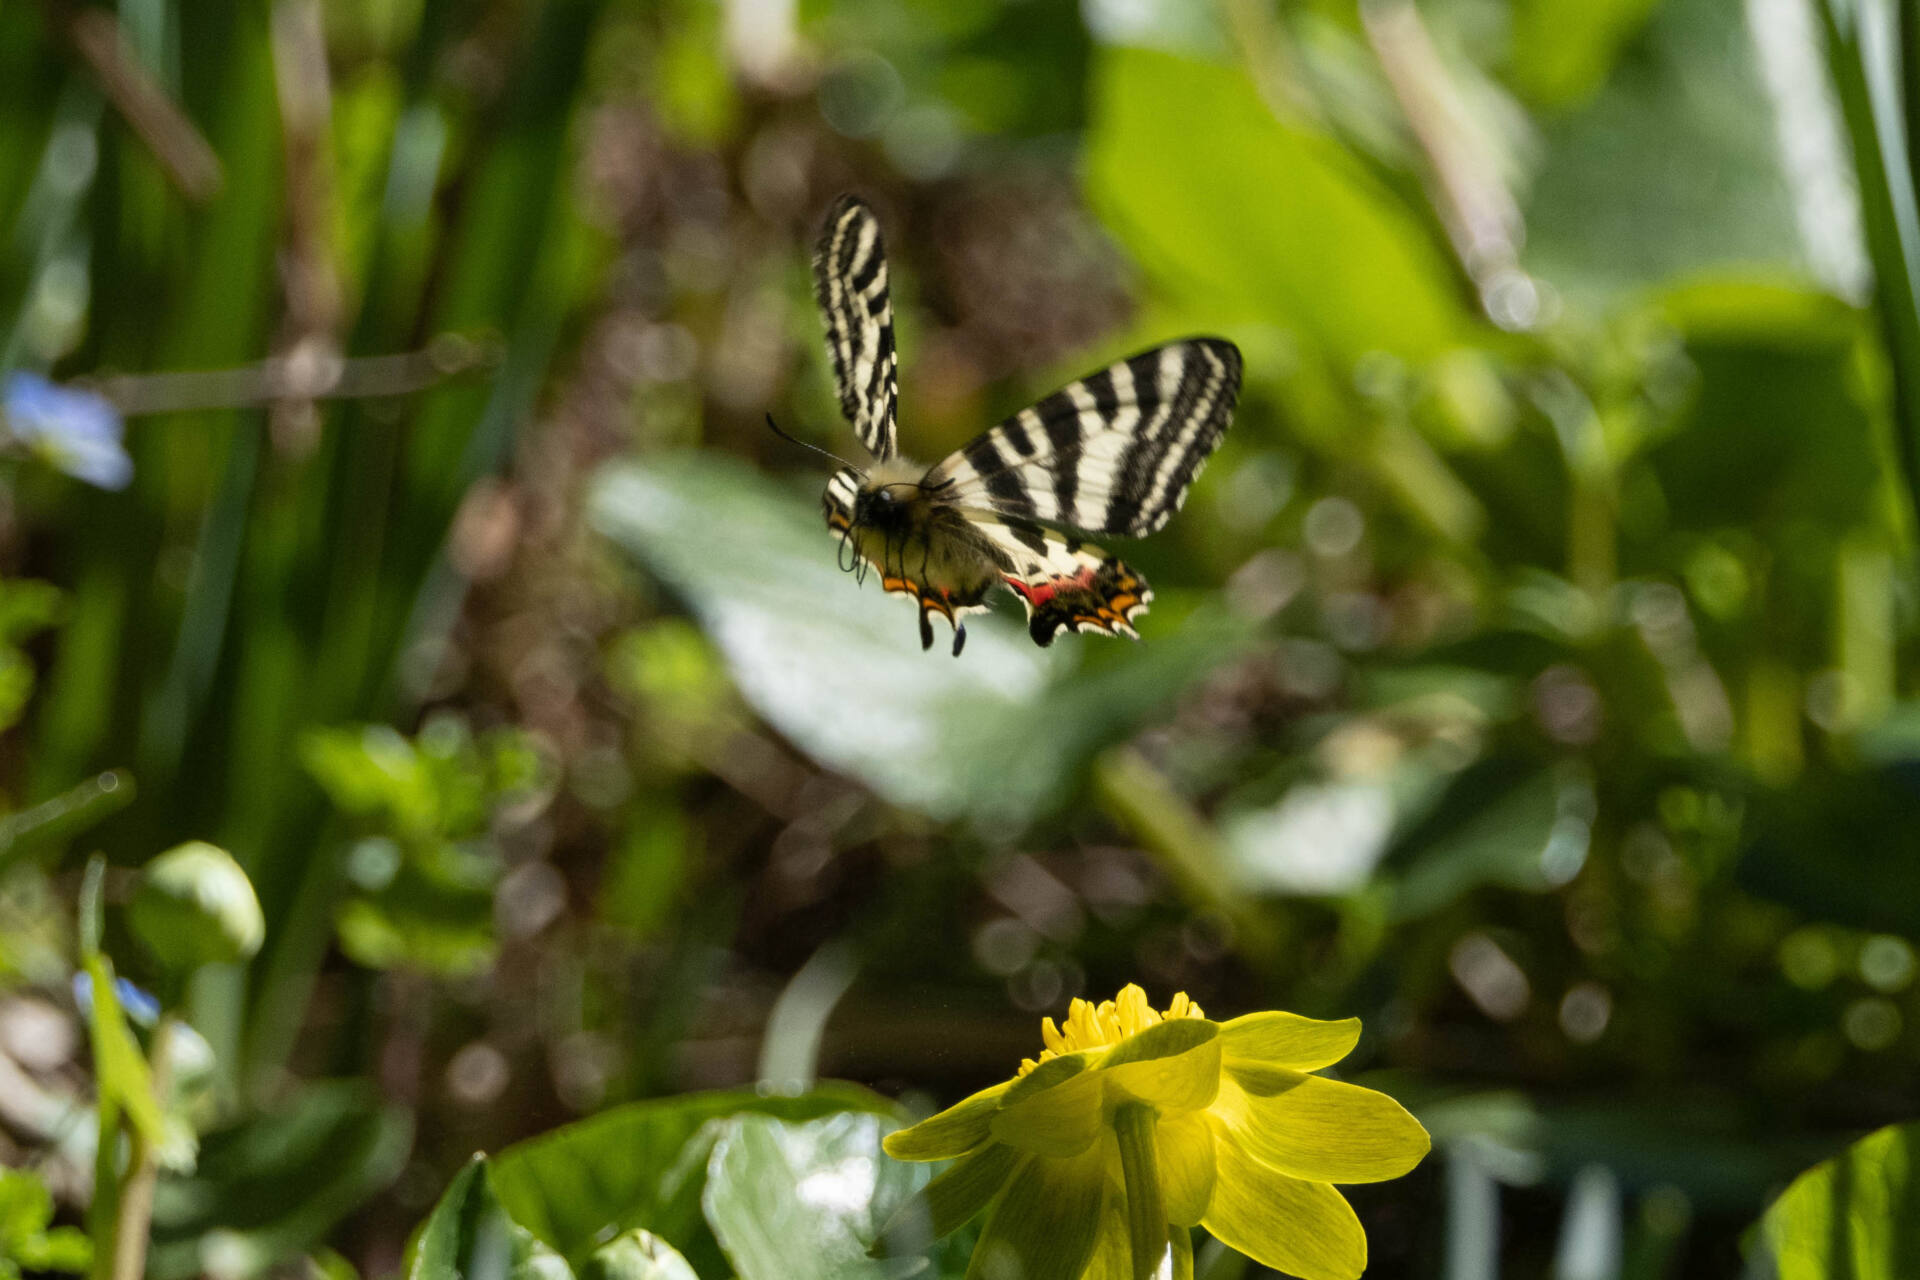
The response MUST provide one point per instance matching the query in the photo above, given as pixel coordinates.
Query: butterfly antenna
(775, 428)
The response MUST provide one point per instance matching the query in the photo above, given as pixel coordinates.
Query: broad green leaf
(1526, 833)
(1841, 846)
(26, 1240)
(469, 1235)
(1218, 199)
(1672, 168)
(1778, 436)
(1854, 1217)
(1000, 732)
(637, 1255)
(804, 1201)
(274, 1186)
(1563, 50)
(641, 1165)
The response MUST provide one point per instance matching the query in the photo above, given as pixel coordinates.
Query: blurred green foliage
(1530, 675)
(1852, 1215)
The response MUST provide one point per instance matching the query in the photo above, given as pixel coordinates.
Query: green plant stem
(133, 1216)
(103, 1214)
(1146, 1212)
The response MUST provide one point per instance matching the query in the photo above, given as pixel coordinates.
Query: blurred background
(1526, 674)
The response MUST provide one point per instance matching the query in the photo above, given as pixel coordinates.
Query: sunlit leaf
(641, 1165)
(1673, 167)
(468, 1235)
(804, 1201)
(1854, 1217)
(1215, 196)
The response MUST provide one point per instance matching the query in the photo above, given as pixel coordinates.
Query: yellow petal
(1174, 1065)
(949, 1202)
(953, 1132)
(1047, 1223)
(1289, 1040)
(1053, 1110)
(1319, 1129)
(1112, 1258)
(1183, 1152)
(1302, 1228)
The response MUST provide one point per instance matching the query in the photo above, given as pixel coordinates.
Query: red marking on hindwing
(1037, 594)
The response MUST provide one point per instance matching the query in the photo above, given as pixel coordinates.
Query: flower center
(1091, 1026)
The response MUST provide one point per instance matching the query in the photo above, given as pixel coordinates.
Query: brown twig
(177, 145)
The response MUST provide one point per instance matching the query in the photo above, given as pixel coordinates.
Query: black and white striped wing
(1113, 453)
(850, 284)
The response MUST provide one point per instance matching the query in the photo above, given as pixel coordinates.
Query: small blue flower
(138, 1005)
(77, 431)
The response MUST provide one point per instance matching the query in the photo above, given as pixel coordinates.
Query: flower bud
(194, 906)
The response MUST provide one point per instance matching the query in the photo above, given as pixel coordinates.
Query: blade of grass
(1860, 62)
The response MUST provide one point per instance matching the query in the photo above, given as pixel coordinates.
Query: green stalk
(133, 1217)
(1146, 1213)
(1887, 213)
(103, 1214)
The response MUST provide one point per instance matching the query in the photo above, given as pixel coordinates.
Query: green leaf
(26, 1207)
(1671, 169)
(1529, 833)
(1562, 53)
(804, 1201)
(274, 1186)
(1854, 1217)
(1215, 197)
(1841, 846)
(950, 1201)
(637, 1255)
(1778, 437)
(468, 1235)
(119, 1066)
(641, 1165)
(1001, 733)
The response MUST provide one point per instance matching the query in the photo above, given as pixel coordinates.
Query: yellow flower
(1133, 1126)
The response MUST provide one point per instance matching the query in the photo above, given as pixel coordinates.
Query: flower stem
(1146, 1213)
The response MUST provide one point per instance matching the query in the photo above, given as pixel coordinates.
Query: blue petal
(77, 431)
(139, 1005)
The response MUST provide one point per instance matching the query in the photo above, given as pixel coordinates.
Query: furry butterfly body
(1113, 453)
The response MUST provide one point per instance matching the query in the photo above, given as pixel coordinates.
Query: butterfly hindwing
(1112, 453)
(1065, 584)
(850, 284)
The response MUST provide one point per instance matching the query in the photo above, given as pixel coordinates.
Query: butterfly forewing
(850, 283)
(1112, 453)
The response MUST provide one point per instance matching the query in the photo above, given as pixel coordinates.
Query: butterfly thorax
(892, 498)
(892, 519)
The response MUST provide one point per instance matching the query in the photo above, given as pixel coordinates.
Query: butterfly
(1113, 453)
